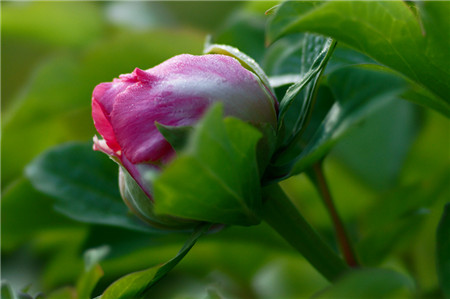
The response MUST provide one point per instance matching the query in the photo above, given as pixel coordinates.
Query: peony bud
(175, 93)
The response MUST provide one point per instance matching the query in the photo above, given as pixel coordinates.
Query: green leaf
(216, 178)
(92, 271)
(387, 31)
(176, 136)
(300, 59)
(443, 251)
(135, 285)
(358, 92)
(84, 185)
(315, 54)
(370, 283)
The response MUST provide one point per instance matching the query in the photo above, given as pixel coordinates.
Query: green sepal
(246, 61)
(176, 136)
(216, 177)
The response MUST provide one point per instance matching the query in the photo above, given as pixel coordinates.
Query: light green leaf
(216, 178)
(443, 251)
(387, 31)
(92, 271)
(370, 283)
(135, 285)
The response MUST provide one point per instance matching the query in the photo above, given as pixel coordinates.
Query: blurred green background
(53, 55)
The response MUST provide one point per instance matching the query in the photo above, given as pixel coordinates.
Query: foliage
(341, 70)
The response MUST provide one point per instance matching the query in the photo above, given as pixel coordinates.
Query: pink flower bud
(176, 92)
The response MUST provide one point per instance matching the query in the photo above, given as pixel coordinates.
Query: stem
(279, 212)
(343, 240)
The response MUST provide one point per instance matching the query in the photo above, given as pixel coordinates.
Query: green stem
(283, 216)
(318, 178)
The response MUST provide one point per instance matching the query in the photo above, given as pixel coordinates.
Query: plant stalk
(279, 212)
(341, 234)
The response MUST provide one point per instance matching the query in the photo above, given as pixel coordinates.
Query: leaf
(84, 185)
(176, 136)
(216, 178)
(443, 251)
(358, 92)
(311, 56)
(370, 283)
(315, 55)
(92, 271)
(134, 285)
(387, 31)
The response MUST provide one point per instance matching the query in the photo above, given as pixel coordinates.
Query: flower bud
(175, 93)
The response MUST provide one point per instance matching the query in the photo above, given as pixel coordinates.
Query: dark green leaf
(315, 54)
(358, 91)
(443, 251)
(84, 184)
(135, 284)
(370, 283)
(387, 31)
(216, 178)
